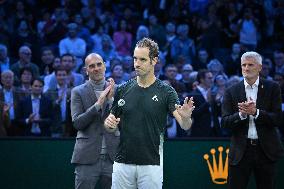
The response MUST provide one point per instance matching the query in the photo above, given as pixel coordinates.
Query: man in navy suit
(35, 111)
(205, 121)
(252, 110)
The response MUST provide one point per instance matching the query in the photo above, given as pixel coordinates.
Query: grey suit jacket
(89, 123)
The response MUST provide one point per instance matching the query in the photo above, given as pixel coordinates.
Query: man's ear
(154, 61)
(260, 67)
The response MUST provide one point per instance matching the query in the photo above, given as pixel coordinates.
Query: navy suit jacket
(45, 112)
(202, 116)
(267, 123)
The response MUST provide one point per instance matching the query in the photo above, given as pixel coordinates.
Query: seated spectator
(279, 78)
(56, 64)
(170, 36)
(218, 92)
(205, 123)
(186, 70)
(24, 36)
(234, 79)
(73, 44)
(193, 79)
(91, 21)
(202, 60)
(117, 74)
(122, 39)
(83, 32)
(35, 111)
(278, 57)
(158, 70)
(73, 79)
(142, 31)
(107, 52)
(26, 77)
(97, 39)
(55, 29)
(216, 68)
(170, 75)
(157, 31)
(232, 61)
(5, 60)
(183, 45)
(60, 97)
(209, 36)
(47, 58)
(248, 27)
(46, 17)
(127, 64)
(266, 69)
(9, 99)
(25, 55)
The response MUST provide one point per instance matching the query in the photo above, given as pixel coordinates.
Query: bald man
(95, 148)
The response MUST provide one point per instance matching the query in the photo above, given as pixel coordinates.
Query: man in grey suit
(95, 147)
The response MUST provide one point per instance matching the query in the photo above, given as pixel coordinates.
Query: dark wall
(45, 164)
(185, 167)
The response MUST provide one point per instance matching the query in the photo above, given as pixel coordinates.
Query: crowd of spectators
(43, 45)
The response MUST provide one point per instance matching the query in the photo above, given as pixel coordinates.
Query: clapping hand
(111, 90)
(111, 122)
(247, 107)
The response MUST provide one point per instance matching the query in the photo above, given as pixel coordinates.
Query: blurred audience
(192, 36)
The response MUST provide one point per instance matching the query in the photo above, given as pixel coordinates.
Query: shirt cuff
(110, 101)
(242, 117)
(98, 107)
(257, 114)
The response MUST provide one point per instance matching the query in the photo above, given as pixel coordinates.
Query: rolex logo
(219, 173)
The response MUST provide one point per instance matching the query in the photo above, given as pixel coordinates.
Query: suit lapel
(105, 105)
(260, 94)
(90, 93)
(242, 92)
(202, 99)
(41, 106)
(29, 105)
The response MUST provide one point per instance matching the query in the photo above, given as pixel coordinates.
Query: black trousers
(253, 162)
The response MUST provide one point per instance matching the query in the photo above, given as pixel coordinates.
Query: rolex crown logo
(219, 173)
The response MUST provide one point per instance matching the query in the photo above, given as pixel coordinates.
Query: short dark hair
(26, 68)
(60, 68)
(38, 79)
(151, 45)
(68, 54)
(43, 49)
(202, 74)
(170, 66)
(114, 65)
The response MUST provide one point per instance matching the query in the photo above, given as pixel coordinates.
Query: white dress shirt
(204, 93)
(251, 93)
(36, 106)
(62, 91)
(9, 99)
